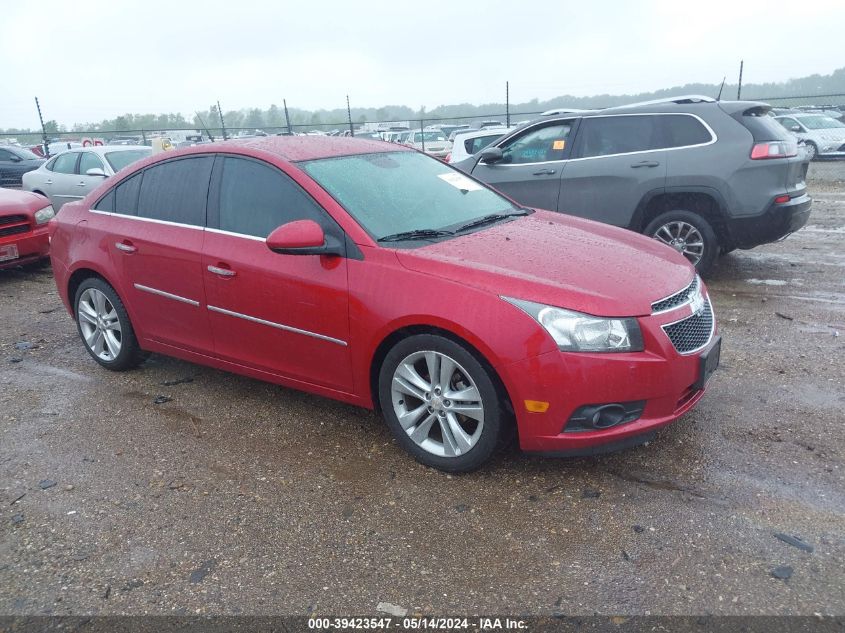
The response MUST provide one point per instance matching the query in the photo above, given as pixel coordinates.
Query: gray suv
(702, 176)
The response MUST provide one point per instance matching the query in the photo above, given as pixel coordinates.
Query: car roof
(487, 131)
(299, 148)
(102, 149)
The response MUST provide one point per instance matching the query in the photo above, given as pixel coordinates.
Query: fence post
(507, 105)
(43, 130)
(422, 134)
(222, 124)
(287, 118)
(349, 116)
(739, 85)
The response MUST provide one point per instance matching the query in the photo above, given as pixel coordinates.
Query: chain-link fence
(818, 120)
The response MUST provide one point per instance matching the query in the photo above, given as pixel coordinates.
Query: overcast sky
(88, 61)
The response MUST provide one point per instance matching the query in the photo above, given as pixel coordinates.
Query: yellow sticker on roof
(558, 145)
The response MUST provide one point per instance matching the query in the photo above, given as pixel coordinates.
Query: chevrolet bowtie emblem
(697, 303)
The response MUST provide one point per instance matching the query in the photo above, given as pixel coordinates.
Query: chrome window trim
(689, 316)
(167, 295)
(153, 220)
(713, 139)
(233, 234)
(279, 326)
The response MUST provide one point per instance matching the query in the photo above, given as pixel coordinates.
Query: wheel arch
(703, 201)
(75, 280)
(411, 329)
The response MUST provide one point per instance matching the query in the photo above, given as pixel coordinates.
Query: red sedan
(24, 237)
(379, 276)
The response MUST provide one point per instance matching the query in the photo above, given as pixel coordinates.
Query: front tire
(812, 150)
(689, 234)
(104, 326)
(441, 403)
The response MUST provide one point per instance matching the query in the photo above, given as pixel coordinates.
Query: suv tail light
(774, 149)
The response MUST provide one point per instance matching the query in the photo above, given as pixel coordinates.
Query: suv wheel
(104, 326)
(441, 403)
(689, 234)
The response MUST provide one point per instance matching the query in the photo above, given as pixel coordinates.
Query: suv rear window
(606, 135)
(762, 126)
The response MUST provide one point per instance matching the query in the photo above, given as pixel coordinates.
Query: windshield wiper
(490, 219)
(416, 234)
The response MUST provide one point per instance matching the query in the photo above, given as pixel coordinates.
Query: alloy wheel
(684, 238)
(99, 324)
(437, 403)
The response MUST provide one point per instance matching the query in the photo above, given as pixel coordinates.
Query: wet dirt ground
(242, 497)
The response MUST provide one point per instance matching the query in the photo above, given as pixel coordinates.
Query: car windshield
(394, 192)
(26, 154)
(119, 160)
(428, 136)
(820, 122)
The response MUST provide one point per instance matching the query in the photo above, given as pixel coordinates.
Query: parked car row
(823, 135)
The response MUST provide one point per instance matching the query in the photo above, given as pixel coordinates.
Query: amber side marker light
(536, 406)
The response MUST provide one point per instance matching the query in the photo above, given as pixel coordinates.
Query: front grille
(13, 230)
(12, 219)
(678, 299)
(693, 333)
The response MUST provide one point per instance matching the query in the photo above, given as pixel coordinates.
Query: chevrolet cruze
(376, 275)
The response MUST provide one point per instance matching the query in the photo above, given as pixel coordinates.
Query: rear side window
(255, 198)
(606, 135)
(89, 160)
(176, 190)
(65, 163)
(106, 203)
(126, 196)
(681, 130)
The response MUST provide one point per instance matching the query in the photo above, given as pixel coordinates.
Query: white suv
(470, 142)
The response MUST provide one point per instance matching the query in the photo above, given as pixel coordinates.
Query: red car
(24, 236)
(379, 276)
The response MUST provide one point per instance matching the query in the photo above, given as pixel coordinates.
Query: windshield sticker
(558, 145)
(459, 181)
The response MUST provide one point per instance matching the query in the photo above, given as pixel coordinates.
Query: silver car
(823, 136)
(432, 142)
(72, 174)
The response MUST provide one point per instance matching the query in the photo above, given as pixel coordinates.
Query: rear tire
(689, 234)
(442, 404)
(104, 326)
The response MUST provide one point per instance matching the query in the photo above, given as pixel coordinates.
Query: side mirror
(15, 158)
(490, 155)
(303, 237)
(96, 171)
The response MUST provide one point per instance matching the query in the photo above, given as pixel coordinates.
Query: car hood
(14, 202)
(562, 261)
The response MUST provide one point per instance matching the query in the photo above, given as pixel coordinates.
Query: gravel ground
(238, 496)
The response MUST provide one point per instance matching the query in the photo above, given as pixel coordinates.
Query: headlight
(577, 332)
(42, 216)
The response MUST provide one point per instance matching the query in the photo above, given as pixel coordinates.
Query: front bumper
(667, 381)
(32, 246)
(774, 224)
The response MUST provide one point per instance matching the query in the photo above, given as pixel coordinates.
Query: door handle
(125, 246)
(646, 163)
(48, 182)
(80, 184)
(544, 172)
(223, 272)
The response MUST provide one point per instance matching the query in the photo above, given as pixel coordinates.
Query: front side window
(89, 160)
(65, 163)
(473, 145)
(607, 135)
(393, 192)
(256, 198)
(820, 122)
(538, 145)
(176, 190)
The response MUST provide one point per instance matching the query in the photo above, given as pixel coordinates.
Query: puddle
(767, 282)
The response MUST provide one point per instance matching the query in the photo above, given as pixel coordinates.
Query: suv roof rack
(556, 111)
(682, 99)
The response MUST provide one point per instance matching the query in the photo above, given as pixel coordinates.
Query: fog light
(595, 417)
